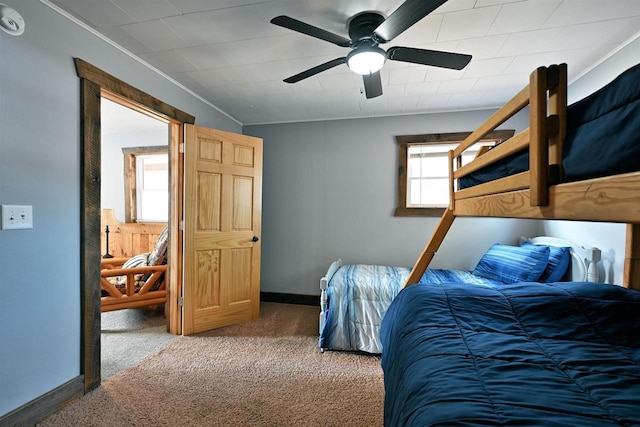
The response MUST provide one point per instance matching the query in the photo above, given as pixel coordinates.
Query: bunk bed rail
(545, 95)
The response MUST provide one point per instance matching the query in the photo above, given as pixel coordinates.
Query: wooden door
(222, 224)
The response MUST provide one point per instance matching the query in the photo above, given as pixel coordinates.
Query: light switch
(16, 217)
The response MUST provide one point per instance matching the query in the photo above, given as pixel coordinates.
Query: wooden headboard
(127, 239)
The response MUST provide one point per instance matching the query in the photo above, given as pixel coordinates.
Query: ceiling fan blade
(436, 58)
(409, 12)
(372, 85)
(310, 30)
(315, 70)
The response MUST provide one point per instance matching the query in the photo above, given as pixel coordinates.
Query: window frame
(130, 176)
(404, 141)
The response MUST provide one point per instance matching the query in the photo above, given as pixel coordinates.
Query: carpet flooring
(128, 336)
(266, 372)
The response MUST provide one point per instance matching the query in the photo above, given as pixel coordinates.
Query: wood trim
(93, 84)
(130, 170)
(174, 251)
(447, 137)
(418, 212)
(401, 201)
(403, 142)
(631, 274)
(90, 219)
(49, 403)
(125, 90)
(127, 239)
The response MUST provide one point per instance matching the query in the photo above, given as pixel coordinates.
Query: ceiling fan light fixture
(366, 60)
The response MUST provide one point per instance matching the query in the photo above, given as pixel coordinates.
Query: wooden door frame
(94, 83)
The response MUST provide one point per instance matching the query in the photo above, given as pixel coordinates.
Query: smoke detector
(10, 21)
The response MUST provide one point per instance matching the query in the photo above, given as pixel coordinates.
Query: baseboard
(49, 403)
(290, 298)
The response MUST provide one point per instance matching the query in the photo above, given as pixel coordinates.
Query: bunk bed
(355, 297)
(529, 353)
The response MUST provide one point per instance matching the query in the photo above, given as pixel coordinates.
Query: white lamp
(366, 59)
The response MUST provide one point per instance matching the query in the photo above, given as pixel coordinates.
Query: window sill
(433, 212)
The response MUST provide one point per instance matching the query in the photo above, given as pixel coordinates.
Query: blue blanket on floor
(555, 354)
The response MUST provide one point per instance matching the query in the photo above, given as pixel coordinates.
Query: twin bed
(528, 352)
(355, 297)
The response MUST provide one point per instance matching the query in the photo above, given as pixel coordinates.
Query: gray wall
(40, 166)
(330, 192)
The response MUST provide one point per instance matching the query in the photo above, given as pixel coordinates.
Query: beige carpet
(267, 372)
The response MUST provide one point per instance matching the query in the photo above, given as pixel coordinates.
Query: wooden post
(432, 247)
(538, 145)
(631, 275)
(452, 189)
(558, 108)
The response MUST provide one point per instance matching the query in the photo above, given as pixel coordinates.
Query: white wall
(330, 192)
(40, 166)
(112, 184)
(608, 237)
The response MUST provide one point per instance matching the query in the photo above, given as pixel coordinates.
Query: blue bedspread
(359, 295)
(560, 354)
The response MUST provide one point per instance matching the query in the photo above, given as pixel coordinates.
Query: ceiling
(228, 53)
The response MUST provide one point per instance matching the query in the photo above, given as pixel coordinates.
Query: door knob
(255, 239)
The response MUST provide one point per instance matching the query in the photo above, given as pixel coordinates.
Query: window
(423, 172)
(146, 171)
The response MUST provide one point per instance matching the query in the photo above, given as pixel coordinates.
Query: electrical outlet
(16, 217)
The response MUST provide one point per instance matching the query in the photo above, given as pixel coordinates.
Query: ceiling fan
(367, 31)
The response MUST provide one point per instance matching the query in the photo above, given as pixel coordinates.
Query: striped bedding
(359, 295)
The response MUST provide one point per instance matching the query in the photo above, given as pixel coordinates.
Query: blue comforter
(560, 354)
(359, 295)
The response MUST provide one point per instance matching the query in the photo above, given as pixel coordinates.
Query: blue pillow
(559, 258)
(511, 264)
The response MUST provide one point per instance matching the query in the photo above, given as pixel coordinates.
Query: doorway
(220, 164)
(93, 84)
(135, 206)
